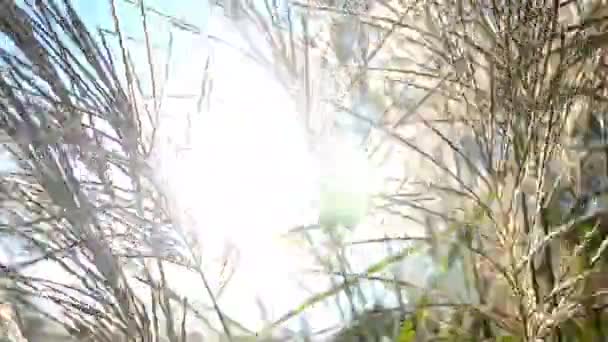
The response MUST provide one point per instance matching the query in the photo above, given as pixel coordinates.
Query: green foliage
(585, 330)
(390, 260)
(407, 332)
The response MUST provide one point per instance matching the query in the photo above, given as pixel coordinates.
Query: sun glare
(247, 176)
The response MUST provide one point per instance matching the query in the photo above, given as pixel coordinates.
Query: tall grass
(492, 113)
(485, 103)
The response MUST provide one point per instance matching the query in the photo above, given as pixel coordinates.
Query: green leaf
(391, 259)
(408, 332)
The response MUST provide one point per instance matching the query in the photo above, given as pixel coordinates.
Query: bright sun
(248, 177)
